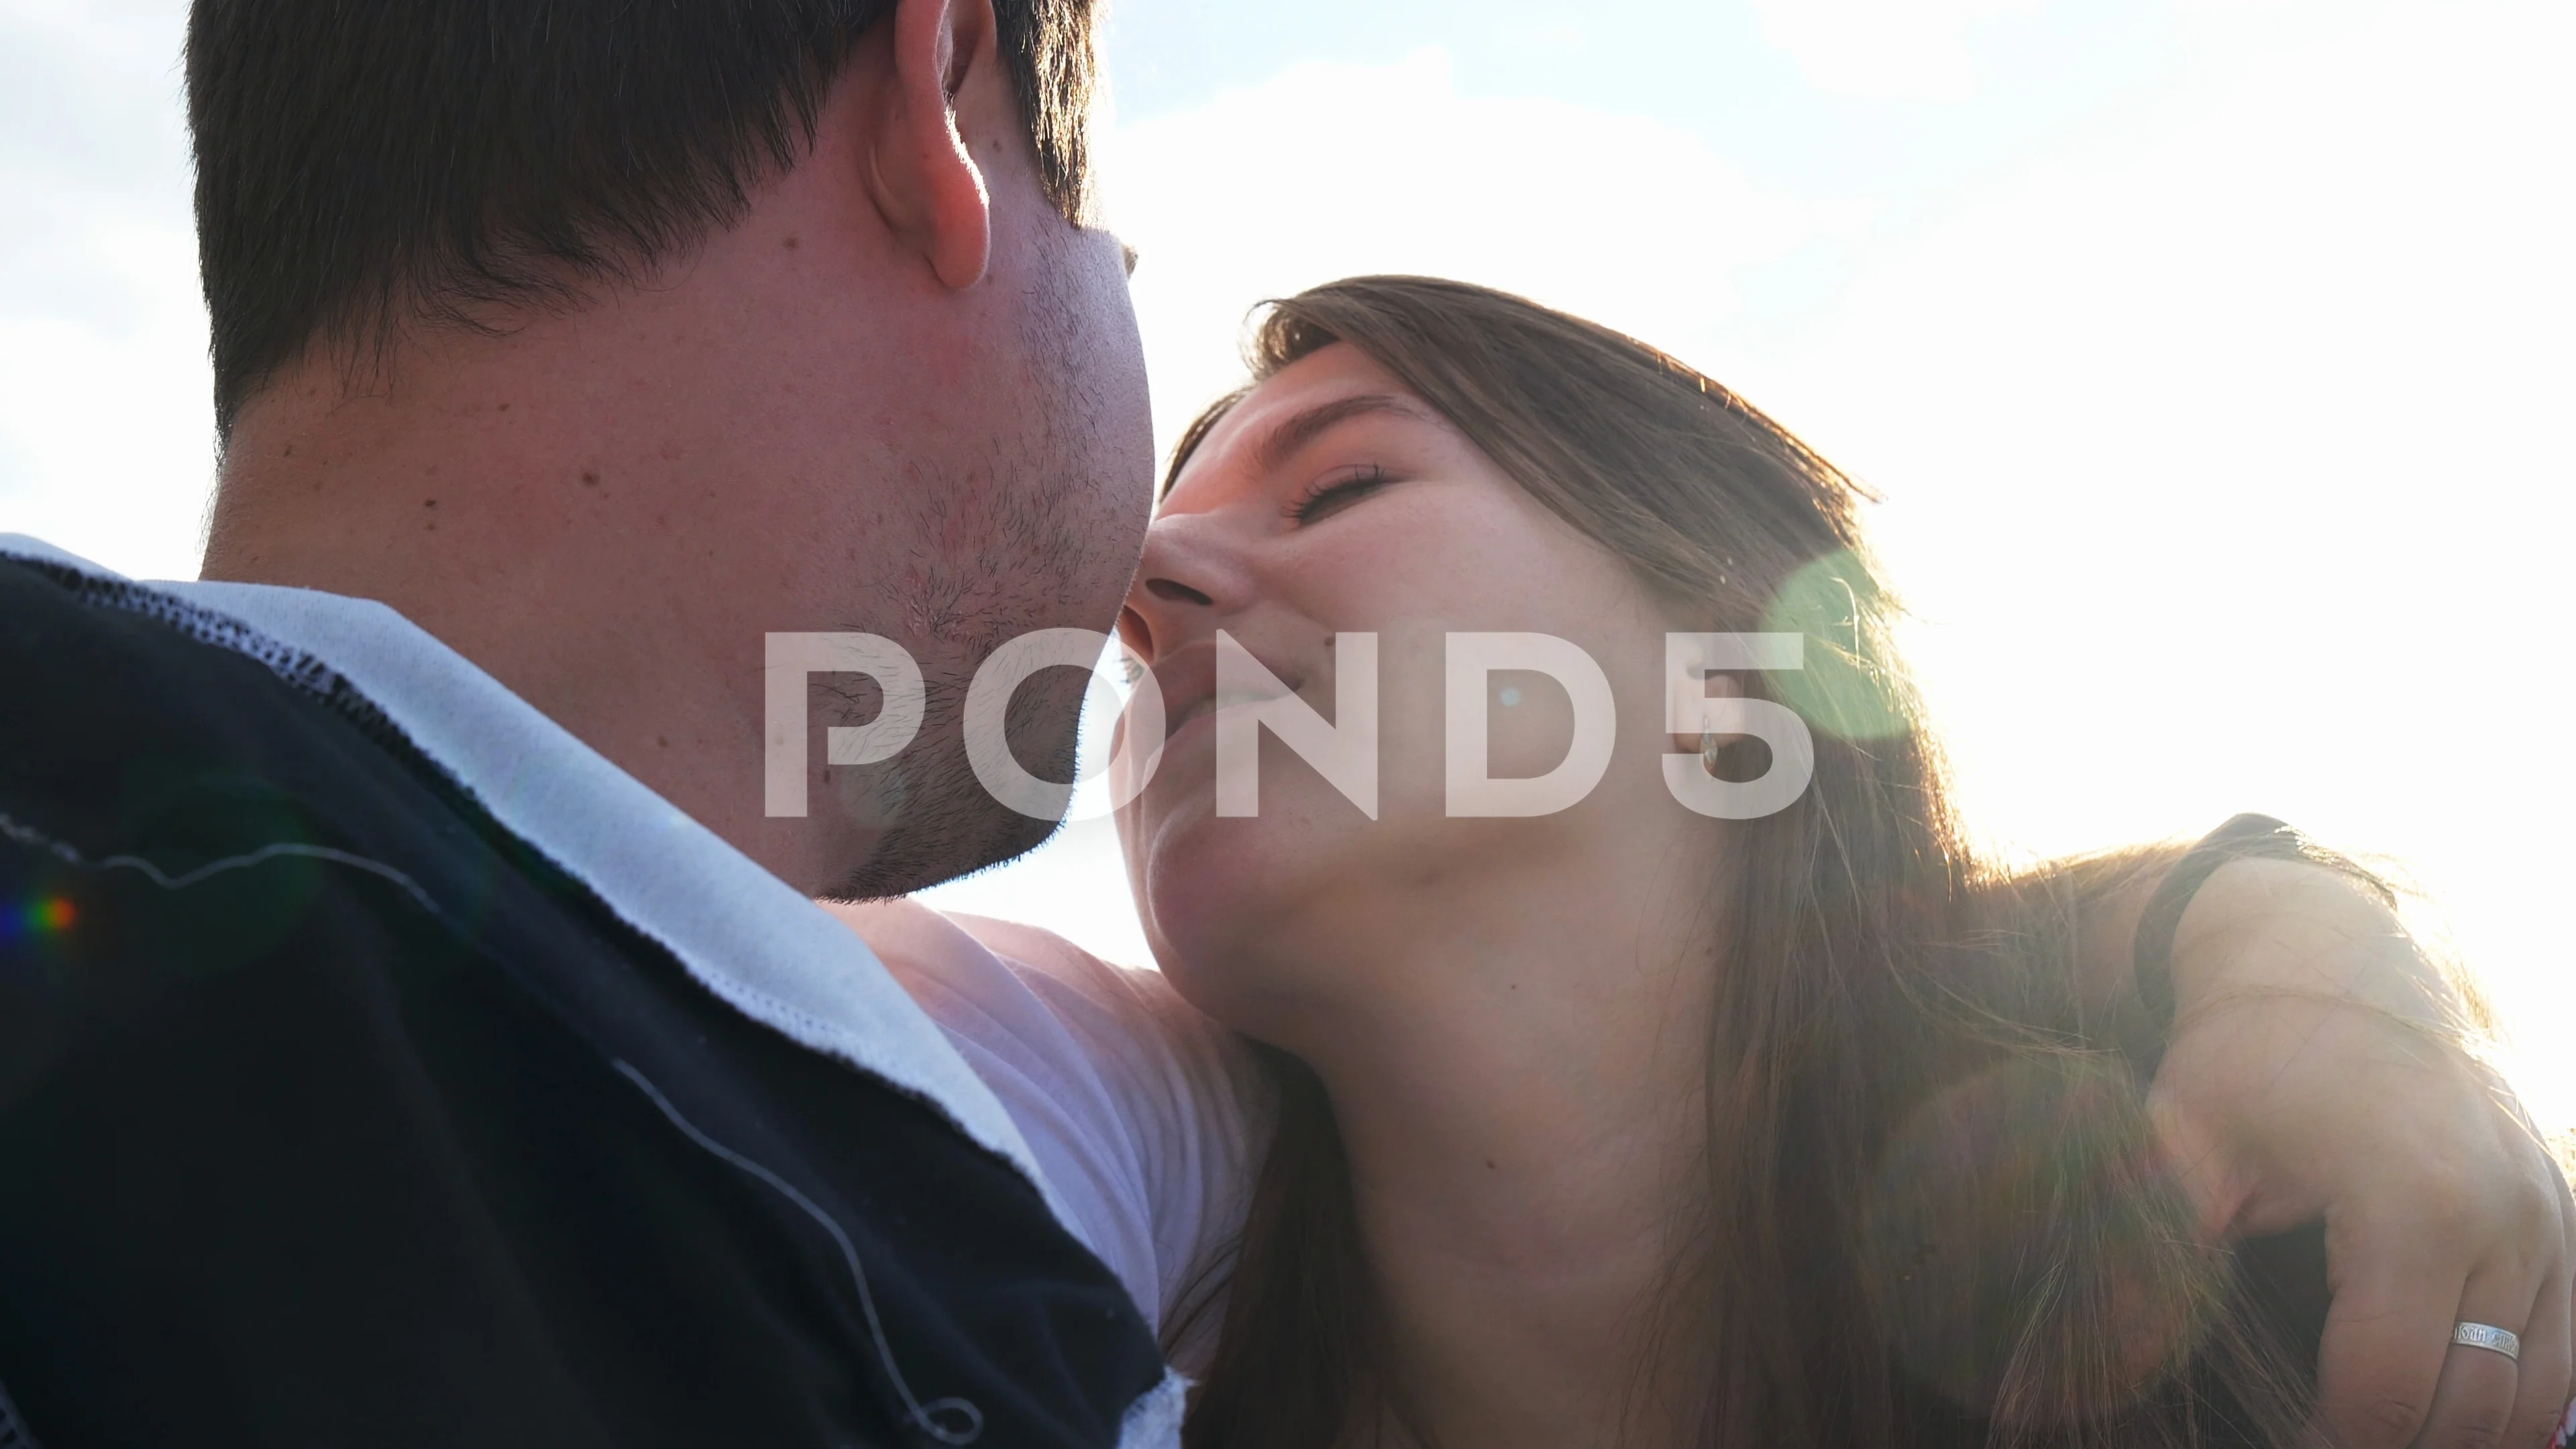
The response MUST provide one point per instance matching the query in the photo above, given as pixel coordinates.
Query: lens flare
(1845, 687)
(38, 918)
(2029, 1253)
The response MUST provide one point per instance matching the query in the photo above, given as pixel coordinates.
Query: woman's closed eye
(1337, 490)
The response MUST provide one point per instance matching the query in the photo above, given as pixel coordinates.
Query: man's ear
(922, 176)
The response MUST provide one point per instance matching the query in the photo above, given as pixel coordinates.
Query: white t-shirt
(1147, 1118)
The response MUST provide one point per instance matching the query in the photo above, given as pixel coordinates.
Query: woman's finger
(2474, 1401)
(2540, 1397)
(2549, 1349)
(2386, 1338)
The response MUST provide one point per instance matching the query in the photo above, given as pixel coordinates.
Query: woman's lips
(1187, 680)
(1204, 707)
(1198, 710)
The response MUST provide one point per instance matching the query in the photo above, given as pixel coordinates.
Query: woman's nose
(1189, 578)
(1174, 591)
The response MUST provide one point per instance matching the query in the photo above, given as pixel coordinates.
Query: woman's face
(1329, 502)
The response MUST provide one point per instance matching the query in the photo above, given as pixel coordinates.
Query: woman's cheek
(1411, 754)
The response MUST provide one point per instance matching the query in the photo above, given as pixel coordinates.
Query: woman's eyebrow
(1297, 431)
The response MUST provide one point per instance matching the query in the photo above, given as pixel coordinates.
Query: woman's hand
(2316, 1071)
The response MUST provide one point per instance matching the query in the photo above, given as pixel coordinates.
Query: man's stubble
(1037, 531)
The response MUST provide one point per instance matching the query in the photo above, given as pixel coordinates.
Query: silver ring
(2488, 1337)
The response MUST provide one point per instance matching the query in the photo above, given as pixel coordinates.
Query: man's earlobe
(920, 171)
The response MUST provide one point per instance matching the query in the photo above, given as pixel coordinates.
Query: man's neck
(567, 532)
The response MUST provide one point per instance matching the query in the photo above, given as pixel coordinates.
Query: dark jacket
(332, 1113)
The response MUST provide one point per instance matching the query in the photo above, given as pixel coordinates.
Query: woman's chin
(1217, 887)
(1202, 880)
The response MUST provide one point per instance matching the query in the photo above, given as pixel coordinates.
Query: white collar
(742, 932)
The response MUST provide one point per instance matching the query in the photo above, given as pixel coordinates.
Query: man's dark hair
(366, 164)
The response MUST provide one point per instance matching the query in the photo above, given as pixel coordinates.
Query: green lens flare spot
(1846, 689)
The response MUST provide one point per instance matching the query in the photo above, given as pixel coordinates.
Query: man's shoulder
(199, 809)
(312, 1056)
(141, 666)
(967, 969)
(145, 735)
(1148, 1114)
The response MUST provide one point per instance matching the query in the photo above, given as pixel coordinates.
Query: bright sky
(2212, 355)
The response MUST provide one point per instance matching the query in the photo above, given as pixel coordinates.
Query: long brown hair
(1934, 1213)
